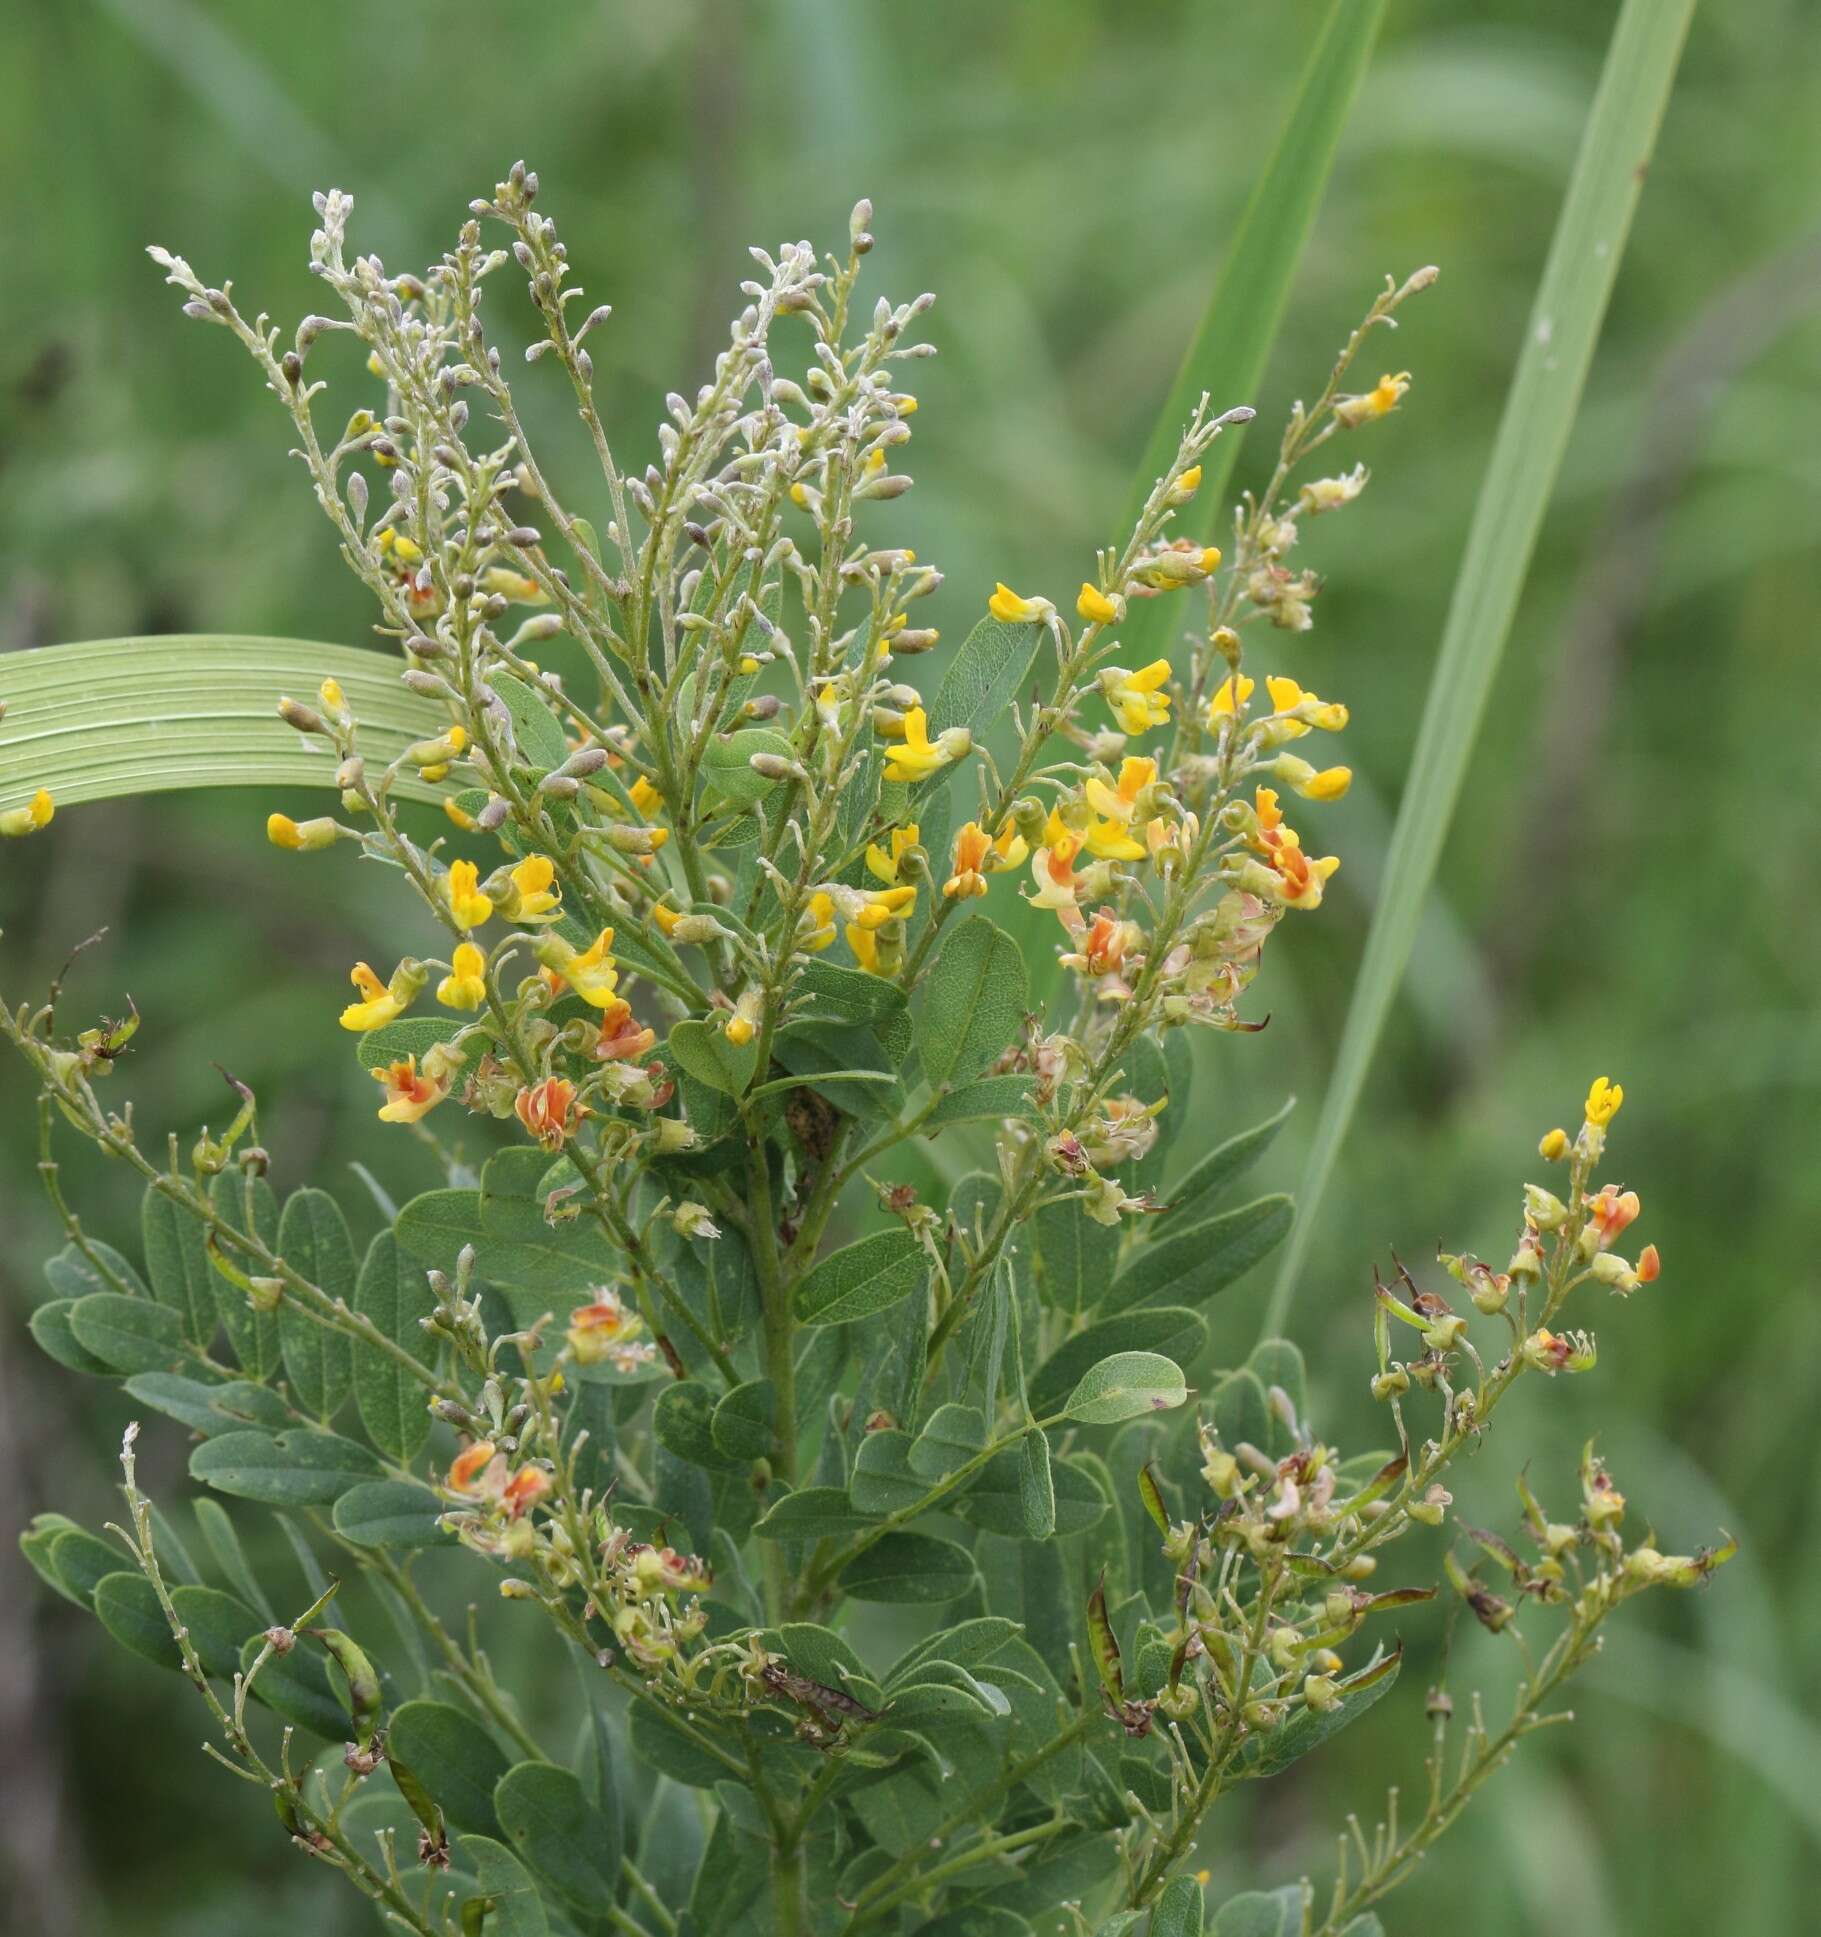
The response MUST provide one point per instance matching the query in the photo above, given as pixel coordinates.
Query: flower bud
(1320, 1692)
(1543, 1208)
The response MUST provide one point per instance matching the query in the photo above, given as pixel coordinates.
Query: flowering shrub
(685, 1369)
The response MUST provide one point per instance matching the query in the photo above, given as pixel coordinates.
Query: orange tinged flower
(410, 1094)
(525, 1488)
(468, 1466)
(1611, 1211)
(548, 1110)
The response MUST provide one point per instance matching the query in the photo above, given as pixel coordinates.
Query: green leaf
(811, 1513)
(559, 1833)
(80, 1561)
(35, 1544)
(127, 1334)
(985, 1100)
(1262, 1913)
(1002, 1500)
(210, 1409)
(1540, 408)
(1269, 1755)
(297, 1689)
(230, 1556)
(830, 992)
(683, 1420)
(1126, 1386)
(670, 1746)
(253, 1335)
(313, 1239)
(916, 1568)
(569, 1258)
(393, 1294)
(1037, 1487)
(1179, 1909)
(535, 726)
(1195, 1264)
(126, 1604)
(415, 1036)
(882, 1480)
(512, 1906)
(390, 1513)
(862, 1278)
(1076, 1256)
(177, 1263)
(984, 677)
(742, 1427)
(291, 1469)
(49, 1326)
(217, 1624)
(1206, 1182)
(1175, 1332)
(828, 1658)
(950, 1438)
(113, 717)
(705, 1053)
(973, 1002)
(455, 1761)
(966, 1644)
(74, 1274)
(727, 763)
(1230, 350)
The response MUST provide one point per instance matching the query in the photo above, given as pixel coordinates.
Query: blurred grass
(1628, 886)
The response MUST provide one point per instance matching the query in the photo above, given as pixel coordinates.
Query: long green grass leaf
(142, 716)
(1227, 357)
(1532, 436)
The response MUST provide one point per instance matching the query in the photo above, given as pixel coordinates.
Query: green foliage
(692, 1375)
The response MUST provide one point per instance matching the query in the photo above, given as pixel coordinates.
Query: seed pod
(1104, 1644)
(363, 1680)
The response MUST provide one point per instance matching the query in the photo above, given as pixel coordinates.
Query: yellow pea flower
(1095, 607)
(913, 757)
(818, 923)
(1009, 609)
(1009, 847)
(1137, 699)
(743, 1024)
(382, 1002)
(532, 882)
(1135, 775)
(1288, 697)
(591, 972)
(1380, 401)
(880, 905)
(301, 837)
(469, 907)
(1232, 695)
(1603, 1102)
(972, 846)
(1111, 840)
(465, 987)
(865, 945)
(1329, 784)
(884, 866)
(36, 813)
(410, 1094)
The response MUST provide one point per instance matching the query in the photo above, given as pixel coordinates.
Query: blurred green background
(1631, 887)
